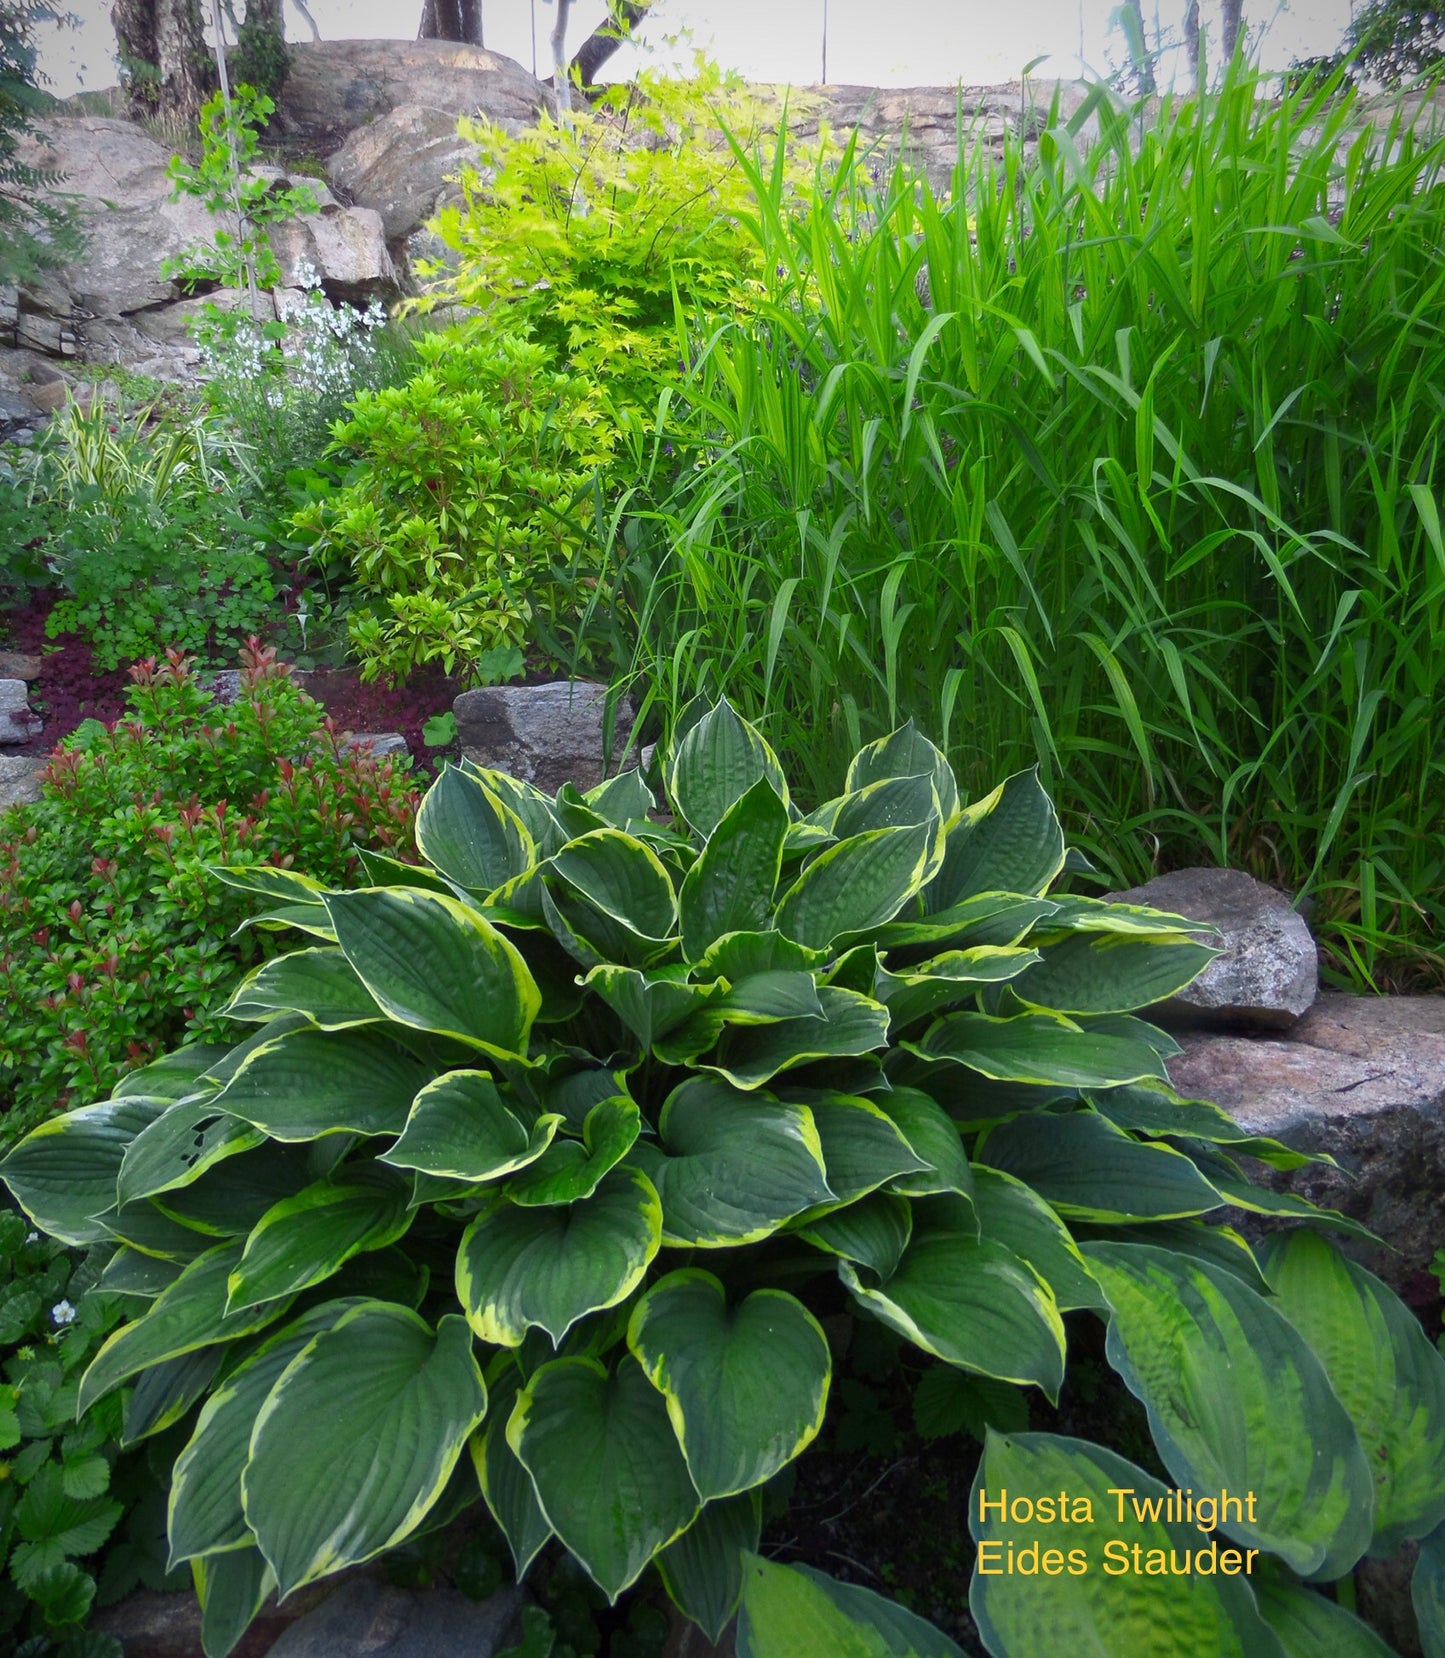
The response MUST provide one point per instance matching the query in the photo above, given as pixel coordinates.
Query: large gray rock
(346, 247)
(14, 711)
(368, 1616)
(1268, 974)
(545, 734)
(19, 779)
(401, 165)
(1363, 1079)
(336, 86)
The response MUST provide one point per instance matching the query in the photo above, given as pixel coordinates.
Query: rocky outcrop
(546, 734)
(1363, 1079)
(1268, 972)
(403, 166)
(336, 87)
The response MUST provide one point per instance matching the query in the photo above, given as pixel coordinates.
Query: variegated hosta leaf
(550, 1266)
(904, 753)
(571, 1169)
(972, 1302)
(1087, 1168)
(652, 1003)
(717, 761)
(319, 983)
(607, 1469)
(746, 1387)
(857, 884)
(231, 1587)
(1009, 841)
(358, 1438)
(702, 1570)
(620, 878)
(1238, 1401)
(749, 1055)
(730, 887)
(1307, 1624)
(179, 1146)
(1037, 1048)
(470, 834)
(790, 1610)
(1388, 1374)
(863, 1148)
(1113, 1605)
(1427, 1593)
(872, 1233)
(1110, 972)
(932, 1138)
(732, 1167)
(1013, 1214)
(945, 980)
(436, 965)
(461, 1128)
(505, 1483)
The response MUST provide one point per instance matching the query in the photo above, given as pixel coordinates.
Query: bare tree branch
(623, 16)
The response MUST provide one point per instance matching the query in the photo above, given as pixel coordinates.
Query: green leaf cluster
(539, 1158)
(467, 501)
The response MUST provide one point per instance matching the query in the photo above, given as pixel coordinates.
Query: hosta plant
(538, 1163)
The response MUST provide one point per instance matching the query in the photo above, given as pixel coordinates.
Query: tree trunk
(623, 17)
(1230, 32)
(452, 20)
(261, 58)
(165, 64)
(1139, 47)
(1194, 45)
(561, 79)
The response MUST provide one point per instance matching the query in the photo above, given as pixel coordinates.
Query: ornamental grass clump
(540, 1161)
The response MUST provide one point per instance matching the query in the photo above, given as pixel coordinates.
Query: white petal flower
(63, 1313)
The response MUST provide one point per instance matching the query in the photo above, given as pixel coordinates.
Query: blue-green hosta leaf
(1260, 1200)
(164, 1393)
(1208, 1241)
(506, 1484)
(790, 1610)
(206, 1513)
(624, 799)
(173, 1075)
(470, 834)
(732, 1167)
(1388, 1374)
(1154, 1108)
(309, 1083)
(1100, 915)
(904, 753)
(623, 878)
(1111, 1606)
(874, 1232)
(1010, 841)
(128, 1272)
(1037, 1048)
(888, 803)
(1308, 1625)
(570, 1169)
(320, 983)
(548, 1267)
(436, 965)
(527, 801)
(1427, 1593)
(746, 1387)
(974, 1303)
(190, 1314)
(276, 885)
(730, 887)
(145, 1228)
(63, 1173)
(931, 1134)
(232, 1588)
(382, 871)
(357, 1439)
(228, 1200)
(306, 1238)
(310, 919)
(862, 1146)
(702, 1570)
(718, 760)
(460, 1128)
(737, 956)
(1012, 1213)
(750, 1055)
(987, 918)
(857, 884)
(1110, 972)
(650, 1004)
(947, 979)
(1087, 1168)
(605, 1463)
(1237, 1401)
(179, 1146)
(763, 998)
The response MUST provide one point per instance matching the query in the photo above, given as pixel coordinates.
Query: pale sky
(870, 42)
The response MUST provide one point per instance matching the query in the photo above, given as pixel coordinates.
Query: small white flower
(63, 1313)
(32, 1237)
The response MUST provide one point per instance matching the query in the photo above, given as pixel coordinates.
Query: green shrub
(541, 1160)
(113, 942)
(467, 504)
(1123, 461)
(66, 1484)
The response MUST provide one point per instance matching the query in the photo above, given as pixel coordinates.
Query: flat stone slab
(17, 723)
(20, 779)
(1359, 1077)
(1268, 974)
(545, 734)
(19, 665)
(368, 1616)
(377, 743)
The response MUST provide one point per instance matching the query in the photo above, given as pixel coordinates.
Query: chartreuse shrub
(540, 1159)
(466, 505)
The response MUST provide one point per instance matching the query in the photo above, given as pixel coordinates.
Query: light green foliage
(521, 1117)
(613, 234)
(230, 144)
(467, 503)
(1123, 460)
